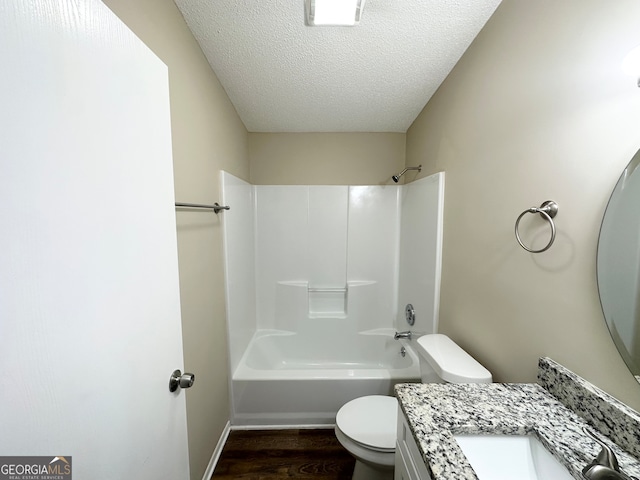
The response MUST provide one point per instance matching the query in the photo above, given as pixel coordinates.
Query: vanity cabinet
(409, 464)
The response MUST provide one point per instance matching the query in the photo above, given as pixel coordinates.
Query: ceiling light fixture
(631, 64)
(333, 12)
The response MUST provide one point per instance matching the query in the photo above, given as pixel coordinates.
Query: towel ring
(547, 210)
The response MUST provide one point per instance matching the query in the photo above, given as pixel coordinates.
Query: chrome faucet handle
(606, 457)
(600, 472)
(605, 466)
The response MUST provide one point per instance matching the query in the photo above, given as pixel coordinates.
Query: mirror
(618, 265)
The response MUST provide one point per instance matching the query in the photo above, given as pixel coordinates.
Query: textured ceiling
(283, 76)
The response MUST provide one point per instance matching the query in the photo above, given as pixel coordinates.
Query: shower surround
(317, 278)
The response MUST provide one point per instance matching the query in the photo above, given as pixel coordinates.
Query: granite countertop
(436, 412)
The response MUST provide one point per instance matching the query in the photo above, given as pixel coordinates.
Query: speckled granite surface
(610, 416)
(436, 412)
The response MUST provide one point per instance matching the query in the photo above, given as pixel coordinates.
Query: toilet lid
(450, 362)
(370, 420)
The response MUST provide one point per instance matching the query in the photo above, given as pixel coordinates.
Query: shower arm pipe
(419, 167)
(397, 177)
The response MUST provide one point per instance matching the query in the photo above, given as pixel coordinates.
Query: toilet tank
(442, 360)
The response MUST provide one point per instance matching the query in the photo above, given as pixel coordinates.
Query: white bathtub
(304, 378)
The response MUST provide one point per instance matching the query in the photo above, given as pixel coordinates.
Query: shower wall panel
(333, 238)
(327, 237)
(297, 255)
(373, 247)
(281, 239)
(420, 252)
(239, 262)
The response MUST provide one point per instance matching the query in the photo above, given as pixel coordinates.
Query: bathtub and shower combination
(304, 378)
(311, 316)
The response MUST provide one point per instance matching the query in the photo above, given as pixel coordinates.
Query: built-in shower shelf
(328, 302)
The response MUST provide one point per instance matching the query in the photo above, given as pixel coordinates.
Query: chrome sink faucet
(605, 465)
(400, 335)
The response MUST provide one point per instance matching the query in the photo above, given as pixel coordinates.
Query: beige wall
(537, 109)
(325, 158)
(207, 136)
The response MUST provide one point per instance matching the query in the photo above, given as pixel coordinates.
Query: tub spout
(400, 335)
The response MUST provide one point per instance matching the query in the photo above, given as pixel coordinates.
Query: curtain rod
(215, 207)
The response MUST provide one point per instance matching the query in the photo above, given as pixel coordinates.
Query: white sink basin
(508, 457)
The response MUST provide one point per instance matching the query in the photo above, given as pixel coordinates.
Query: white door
(89, 303)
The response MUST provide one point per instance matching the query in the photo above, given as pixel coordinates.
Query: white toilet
(366, 426)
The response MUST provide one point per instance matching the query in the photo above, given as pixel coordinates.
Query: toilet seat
(370, 421)
(366, 426)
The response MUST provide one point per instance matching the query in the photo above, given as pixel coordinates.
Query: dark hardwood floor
(277, 454)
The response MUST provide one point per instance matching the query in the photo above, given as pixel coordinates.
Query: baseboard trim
(323, 426)
(208, 473)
